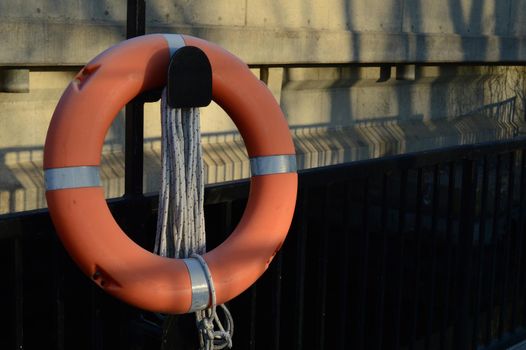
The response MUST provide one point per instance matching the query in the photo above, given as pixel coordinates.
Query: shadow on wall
(22, 178)
(322, 145)
(21, 185)
(420, 16)
(226, 159)
(44, 21)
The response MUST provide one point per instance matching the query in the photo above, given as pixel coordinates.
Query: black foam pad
(189, 81)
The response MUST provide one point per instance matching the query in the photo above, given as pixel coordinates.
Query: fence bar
(300, 276)
(447, 246)
(276, 300)
(364, 264)
(465, 255)
(97, 338)
(522, 232)
(507, 241)
(519, 231)
(494, 250)
(481, 247)
(321, 288)
(418, 247)
(400, 273)
(58, 274)
(379, 326)
(434, 241)
(19, 292)
(344, 319)
(134, 113)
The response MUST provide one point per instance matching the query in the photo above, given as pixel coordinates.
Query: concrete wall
(62, 32)
(51, 32)
(356, 79)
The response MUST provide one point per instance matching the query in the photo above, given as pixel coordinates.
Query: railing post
(177, 330)
(464, 256)
(133, 162)
(134, 113)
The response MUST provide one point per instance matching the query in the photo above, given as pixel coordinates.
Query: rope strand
(180, 222)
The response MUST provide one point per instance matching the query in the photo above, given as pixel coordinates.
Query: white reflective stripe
(175, 42)
(71, 177)
(200, 288)
(273, 165)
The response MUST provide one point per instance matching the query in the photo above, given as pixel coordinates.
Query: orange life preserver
(76, 200)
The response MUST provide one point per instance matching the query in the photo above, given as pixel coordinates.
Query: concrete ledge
(339, 46)
(70, 44)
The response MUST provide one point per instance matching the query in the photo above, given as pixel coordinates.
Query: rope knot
(206, 329)
(215, 339)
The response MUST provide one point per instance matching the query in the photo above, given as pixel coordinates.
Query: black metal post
(134, 122)
(19, 292)
(465, 256)
(133, 177)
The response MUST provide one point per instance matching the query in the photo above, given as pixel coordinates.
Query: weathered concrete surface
(45, 44)
(463, 17)
(348, 75)
(337, 114)
(14, 80)
(517, 20)
(22, 182)
(64, 32)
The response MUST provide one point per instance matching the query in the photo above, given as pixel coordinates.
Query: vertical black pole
(180, 330)
(19, 293)
(465, 255)
(133, 175)
(58, 287)
(134, 138)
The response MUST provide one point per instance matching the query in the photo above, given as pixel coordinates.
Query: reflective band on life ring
(76, 200)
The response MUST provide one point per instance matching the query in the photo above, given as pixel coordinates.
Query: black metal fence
(420, 251)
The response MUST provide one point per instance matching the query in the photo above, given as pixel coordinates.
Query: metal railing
(419, 251)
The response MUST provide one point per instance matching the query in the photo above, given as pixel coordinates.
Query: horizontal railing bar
(397, 163)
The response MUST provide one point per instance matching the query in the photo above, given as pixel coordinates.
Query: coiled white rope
(180, 221)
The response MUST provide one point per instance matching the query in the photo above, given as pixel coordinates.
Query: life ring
(76, 200)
